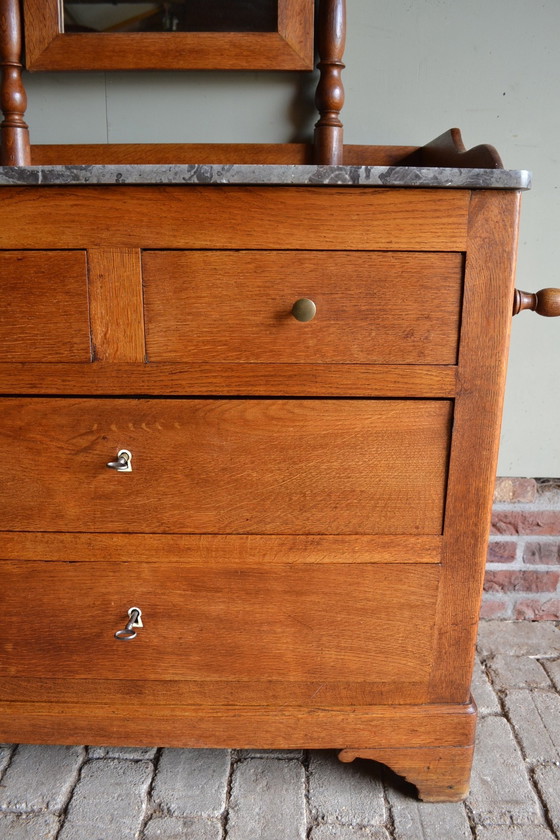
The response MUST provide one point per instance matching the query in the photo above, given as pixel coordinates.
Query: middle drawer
(261, 466)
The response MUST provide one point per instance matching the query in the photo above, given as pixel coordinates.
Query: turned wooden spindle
(545, 302)
(14, 133)
(329, 98)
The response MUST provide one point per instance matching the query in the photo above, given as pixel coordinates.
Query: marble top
(267, 174)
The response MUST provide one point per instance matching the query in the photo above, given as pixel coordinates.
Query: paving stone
(503, 832)
(109, 801)
(267, 800)
(293, 754)
(328, 831)
(535, 716)
(176, 828)
(28, 826)
(500, 790)
(40, 778)
(552, 668)
(6, 751)
(415, 820)
(135, 753)
(519, 638)
(548, 783)
(346, 793)
(483, 693)
(192, 783)
(517, 672)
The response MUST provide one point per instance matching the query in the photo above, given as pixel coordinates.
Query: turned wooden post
(545, 302)
(14, 133)
(329, 98)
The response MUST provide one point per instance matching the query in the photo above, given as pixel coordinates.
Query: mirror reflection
(170, 16)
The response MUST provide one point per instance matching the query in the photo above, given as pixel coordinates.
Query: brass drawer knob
(123, 462)
(304, 310)
(135, 620)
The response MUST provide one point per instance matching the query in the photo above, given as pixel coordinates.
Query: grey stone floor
(80, 793)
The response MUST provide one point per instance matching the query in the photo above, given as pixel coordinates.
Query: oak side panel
(168, 379)
(245, 466)
(488, 295)
(43, 307)
(220, 549)
(213, 216)
(236, 307)
(241, 727)
(116, 307)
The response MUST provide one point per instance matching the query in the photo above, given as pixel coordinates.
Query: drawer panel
(230, 307)
(44, 306)
(334, 466)
(338, 624)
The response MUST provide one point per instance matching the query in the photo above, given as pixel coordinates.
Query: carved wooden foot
(441, 774)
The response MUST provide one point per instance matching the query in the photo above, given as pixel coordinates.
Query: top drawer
(235, 306)
(44, 306)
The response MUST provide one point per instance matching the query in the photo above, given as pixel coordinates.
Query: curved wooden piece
(329, 98)
(449, 150)
(14, 133)
(440, 774)
(545, 302)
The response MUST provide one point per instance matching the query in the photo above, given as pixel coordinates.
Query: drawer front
(334, 466)
(335, 624)
(44, 306)
(382, 308)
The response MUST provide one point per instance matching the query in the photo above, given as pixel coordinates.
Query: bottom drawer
(254, 634)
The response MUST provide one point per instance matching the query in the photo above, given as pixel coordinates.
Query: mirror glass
(170, 16)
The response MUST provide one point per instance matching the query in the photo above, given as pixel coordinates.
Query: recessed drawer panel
(277, 466)
(382, 308)
(315, 623)
(44, 307)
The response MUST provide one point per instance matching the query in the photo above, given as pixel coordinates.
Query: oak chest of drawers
(303, 515)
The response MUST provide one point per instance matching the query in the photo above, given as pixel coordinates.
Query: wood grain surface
(289, 48)
(225, 466)
(264, 727)
(382, 308)
(232, 380)
(37, 324)
(200, 622)
(441, 774)
(190, 153)
(234, 217)
(220, 549)
(489, 278)
(115, 299)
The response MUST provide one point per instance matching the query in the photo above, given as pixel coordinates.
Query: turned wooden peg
(14, 133)
(329, 98)
(545, 302)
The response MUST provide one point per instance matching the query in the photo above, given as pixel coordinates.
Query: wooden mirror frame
(289, 48)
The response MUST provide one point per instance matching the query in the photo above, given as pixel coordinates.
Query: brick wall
(523, 571)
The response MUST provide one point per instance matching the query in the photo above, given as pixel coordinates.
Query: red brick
(520, 581)
(493, 609)
(542, 553)
(515, 490)
(501, 552)
(545, 522)
(538, 610)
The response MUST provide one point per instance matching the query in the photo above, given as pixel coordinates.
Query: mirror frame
(289, 48)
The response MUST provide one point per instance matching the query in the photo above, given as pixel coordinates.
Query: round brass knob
(304, 310)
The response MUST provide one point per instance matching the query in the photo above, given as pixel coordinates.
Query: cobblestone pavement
(80, 793)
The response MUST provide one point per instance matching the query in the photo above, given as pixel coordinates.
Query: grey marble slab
(268, 174)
